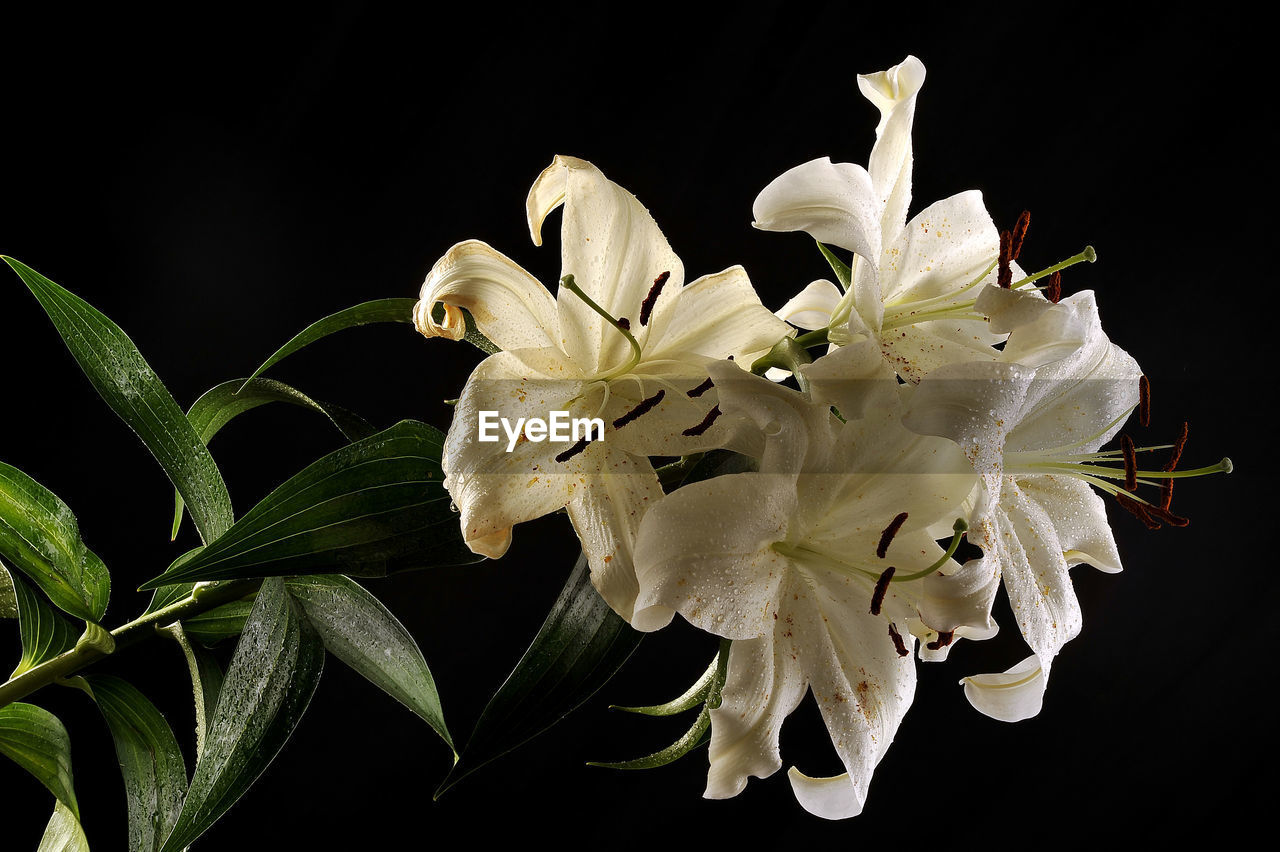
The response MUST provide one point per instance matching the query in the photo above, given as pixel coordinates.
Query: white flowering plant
(836, 490)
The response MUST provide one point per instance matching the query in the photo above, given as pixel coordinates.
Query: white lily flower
(914, 285)
(624, 340)
(1034, 435)
(793, 563)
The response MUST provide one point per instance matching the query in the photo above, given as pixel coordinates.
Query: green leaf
(360, 631)
(34, 739)
(206, 681)
(273, 675)
(40, 537)
(579, 647)
(63, 833)
(155, 776)
(692, 697)
(219, 405)
(381, 310)
(688, 741)
(369, 509)
(709, 685)
(221, 622)
(45, 632)
(843, 273)
(8, 597)
(171, 594)
(128, 384)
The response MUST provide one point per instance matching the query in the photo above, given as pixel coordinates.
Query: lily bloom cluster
(957, 395)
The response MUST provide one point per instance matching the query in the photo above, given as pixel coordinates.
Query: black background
(216, 178)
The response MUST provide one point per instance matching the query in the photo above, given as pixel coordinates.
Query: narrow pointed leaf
(380, 310)
(155, 776)
(843, 273)
(34, 739)
(206, 681)
(360, 631)
(45, 632)
(219, 405)
(127, 383)
(692, 697)
(579, 647)
(368, 509)
(39, 535)
(8, 597)
(171, 594)
(689, 740)
(63, 833)
(221, 622)
(272, 677)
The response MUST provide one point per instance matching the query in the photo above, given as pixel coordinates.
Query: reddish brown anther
(1053, 290)
(1138, 510)
(1020, 232)
(573, 451)
(643, 408)
(1005, 275)
(943, 640)
(694, 431)
(625, 323)
(1130, 463)
(898, 644)
(1178, 446)
(1144, 401)
(646, 307)
(890, 531)
(701, 389)
(882, 586)
(1166, 493)
(1162, 514)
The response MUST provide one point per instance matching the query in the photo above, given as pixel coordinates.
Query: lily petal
(812, 307)
(719, 316)
(615, 251)
(944, 247)
(835, 203)
(711, 565)
(1010, 696)
(509, 306)
(894, 93)
(1079, 517)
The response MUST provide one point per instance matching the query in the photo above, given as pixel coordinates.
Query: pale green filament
(867, 569)
(569, 284)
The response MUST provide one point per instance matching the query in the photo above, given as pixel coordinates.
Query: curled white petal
(812, 307)
(1009, 696)
(835, 203)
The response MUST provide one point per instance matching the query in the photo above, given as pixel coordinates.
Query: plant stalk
(97, 643)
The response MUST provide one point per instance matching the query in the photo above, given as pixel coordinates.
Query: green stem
(96, 643)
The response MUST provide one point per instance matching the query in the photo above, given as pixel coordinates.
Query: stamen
(959, 528)
(1089, 255)
(704, 425)
(569, 284)
(1053, 290)
(1020, 232)
(898, 644)
(1178, 446)
(701, 389)
(943, 640)
(882, 586)
(1144, 401)
(1166, 493)
(1005, 276)
(624, 323)
(889, 532)
(1138, 510)
(1130, 463)
(643, 408)
(573, 451)
(646, 307)
(1168, 517)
